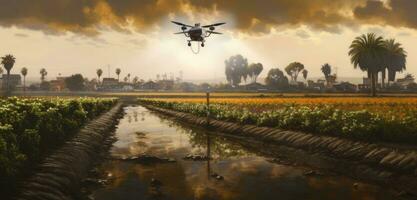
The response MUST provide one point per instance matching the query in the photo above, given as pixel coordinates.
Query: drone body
(197, 33)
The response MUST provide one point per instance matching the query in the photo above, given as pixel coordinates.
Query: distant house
(58, 84)
(366, 84)
(345, 87)
(109, 84)
(255, 87)
(166, 84)
(319, 85)
(150, 85)
(14, 80)
(406, 81)
(300, 85)
(90, 85)
(331, 79)
(127, 88)
(188, 87)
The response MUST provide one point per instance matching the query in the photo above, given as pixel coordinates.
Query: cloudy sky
(71, 36)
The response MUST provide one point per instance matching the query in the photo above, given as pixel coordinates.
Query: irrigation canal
(155, 157)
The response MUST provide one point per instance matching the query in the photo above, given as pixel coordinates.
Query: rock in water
(217, 177)
(196, 157)
(312, 173)
(156, 183)
(356, 185)
(148, 159)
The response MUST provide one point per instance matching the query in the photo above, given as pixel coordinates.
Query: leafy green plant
(29, 128)
(320, 119)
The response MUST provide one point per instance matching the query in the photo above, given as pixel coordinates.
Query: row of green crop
(29, 128)
(327, 120)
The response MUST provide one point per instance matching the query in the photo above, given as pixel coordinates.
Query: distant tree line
(237, 69)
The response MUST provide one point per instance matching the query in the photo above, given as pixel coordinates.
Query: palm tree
(118, 73)
(128, 76)
(327, 71)
(8, 63)
(43, 73)
(396, 59)
(367, 52)
(305, 74)
(24, 72)
(135, 80)
(99, 73)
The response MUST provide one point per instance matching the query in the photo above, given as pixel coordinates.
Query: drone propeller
(217, 24)
(214, 32)
(180, 32)
(181, 24)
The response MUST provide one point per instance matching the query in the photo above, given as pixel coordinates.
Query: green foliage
(236, 69)
(293, 69)
(29, 128)
(11, 158)
(75, 82)
(319, 119)
(254, 70)
(276, 79)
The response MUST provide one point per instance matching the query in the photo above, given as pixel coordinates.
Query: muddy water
(232, 173)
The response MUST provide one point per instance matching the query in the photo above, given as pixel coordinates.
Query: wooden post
(208, 108)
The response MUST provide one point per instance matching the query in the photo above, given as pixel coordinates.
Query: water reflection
(245, 175)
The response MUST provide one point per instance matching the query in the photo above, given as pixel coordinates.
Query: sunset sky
(73, 36)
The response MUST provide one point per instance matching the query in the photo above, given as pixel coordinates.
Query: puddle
(233, 172)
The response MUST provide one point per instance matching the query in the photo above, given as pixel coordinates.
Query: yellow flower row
(301, 100)
(383, 104)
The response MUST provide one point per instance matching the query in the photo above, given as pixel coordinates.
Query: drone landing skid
(200, 43)
(195, 51)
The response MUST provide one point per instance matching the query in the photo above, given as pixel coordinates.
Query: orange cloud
(90, 16)
(398, 13)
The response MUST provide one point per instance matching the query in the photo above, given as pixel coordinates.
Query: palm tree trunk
(383, 78)
(24, 84)
(8, 84)
(373, 83)
(391, 76)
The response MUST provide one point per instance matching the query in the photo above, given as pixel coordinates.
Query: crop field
(388, 119)
(141, 94)
(217, 94)
(31, 127)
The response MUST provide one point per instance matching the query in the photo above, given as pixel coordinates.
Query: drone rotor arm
(184, 32)
(181, 24)
(214, 32)
(211, 25)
